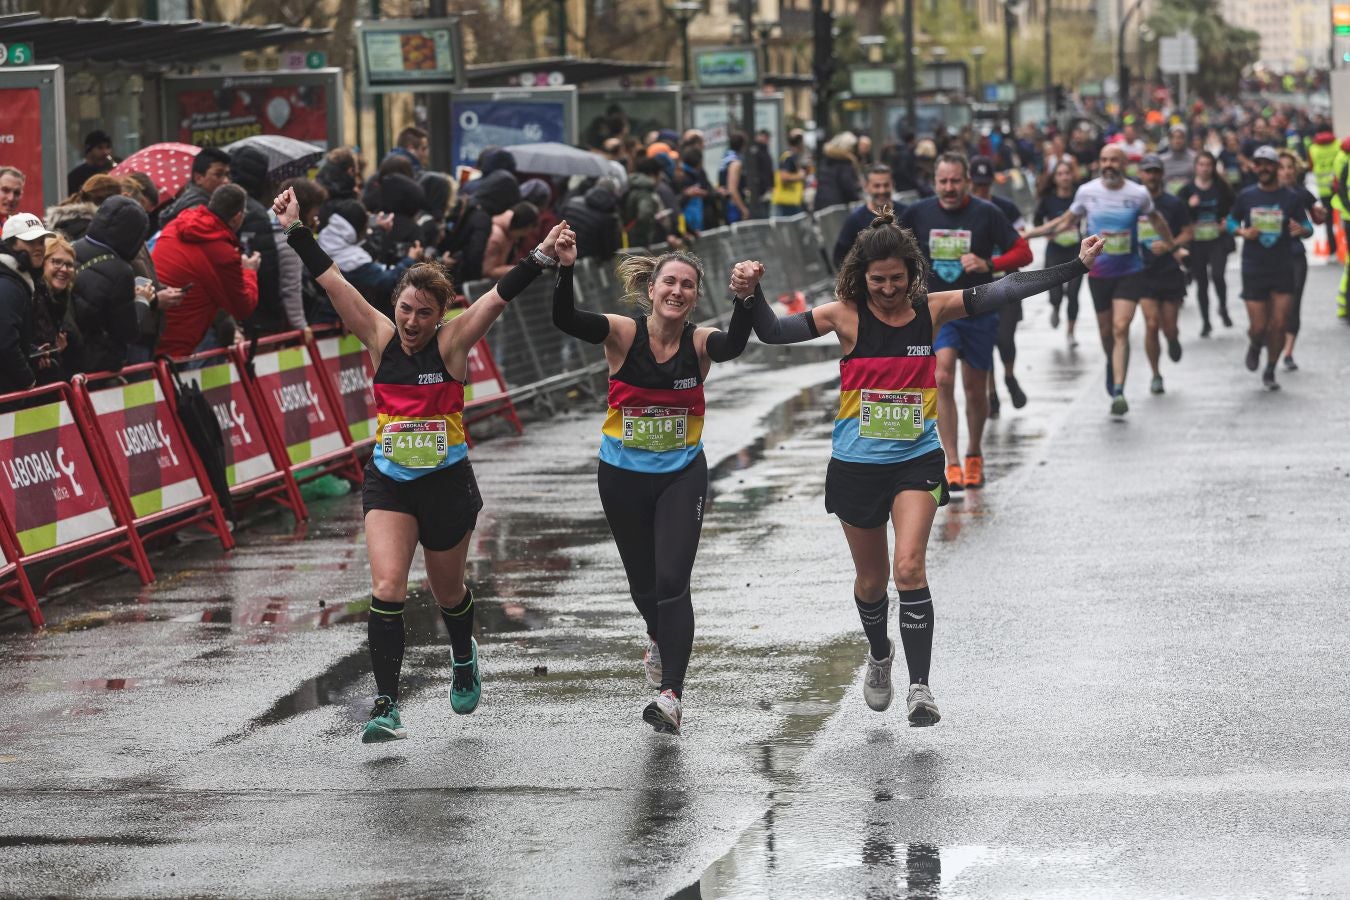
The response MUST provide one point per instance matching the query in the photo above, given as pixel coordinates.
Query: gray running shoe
(651, 664)
(923, 709)
(1118, 405)
(664, 713)
(877, 681)
(1156, 386)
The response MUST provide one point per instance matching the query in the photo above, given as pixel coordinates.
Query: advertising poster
(348, 364)
(726, 67)
(716, 118)
(21, 141)
(215, 111)
(399, 55)
(645, 110)
(147, 453)
(503, 118)
(287, 383)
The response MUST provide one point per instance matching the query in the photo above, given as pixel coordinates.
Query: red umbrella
(168, 165)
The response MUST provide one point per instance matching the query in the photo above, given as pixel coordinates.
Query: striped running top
(655, 419)
(420, 408)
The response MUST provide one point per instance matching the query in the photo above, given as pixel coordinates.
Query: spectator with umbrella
(210, 170)
(169, 166)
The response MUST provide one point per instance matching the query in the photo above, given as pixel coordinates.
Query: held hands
(745, 276)
(546, 246)
(286, 207)
(1090, 249)
(565, 247)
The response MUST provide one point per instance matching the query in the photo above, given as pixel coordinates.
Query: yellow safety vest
(1323, 158)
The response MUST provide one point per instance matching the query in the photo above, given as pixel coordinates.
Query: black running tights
(1056, 256)
(1207, 262)
(1300, 267)
(656, 520)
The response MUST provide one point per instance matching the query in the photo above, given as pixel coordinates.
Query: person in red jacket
(199, 252)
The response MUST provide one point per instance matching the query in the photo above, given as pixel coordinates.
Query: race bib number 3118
(658, 429)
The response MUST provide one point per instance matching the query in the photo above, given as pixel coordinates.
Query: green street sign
(316, 59)
(16, 54)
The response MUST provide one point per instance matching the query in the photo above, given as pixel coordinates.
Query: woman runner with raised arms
(887, 461)
(653, 477)
(419, 486)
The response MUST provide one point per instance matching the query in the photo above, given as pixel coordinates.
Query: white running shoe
(877, 681)
(923, 709)
(663, 713)
(651, 664)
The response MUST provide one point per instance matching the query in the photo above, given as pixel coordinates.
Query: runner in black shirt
(1291, 176)
(1268, 217)
(1209, 198)
(1062, 247)
(982, 186)
(1164, 282)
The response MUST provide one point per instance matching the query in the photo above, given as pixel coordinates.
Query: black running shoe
(1207, 330)
(1015, 392)
(1253, 357)
(1268, 379)
(1223, 315)
(1174, 349)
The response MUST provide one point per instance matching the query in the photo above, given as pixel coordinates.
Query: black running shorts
(861, 494)
(1258, 286)
(1169, 287)
(445, 502)
(1104, 290)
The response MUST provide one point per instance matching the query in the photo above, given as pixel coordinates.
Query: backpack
(203, 431)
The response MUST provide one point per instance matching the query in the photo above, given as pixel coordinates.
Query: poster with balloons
(218, 110)
(499, 118)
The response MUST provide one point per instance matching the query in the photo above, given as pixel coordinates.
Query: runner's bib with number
(657, 429)
(1118, 243)
(1147, 233)
(1269, 220)
(415, 443)
(890, 415)
(1067, 238)
(946, 246)
(1207, 230)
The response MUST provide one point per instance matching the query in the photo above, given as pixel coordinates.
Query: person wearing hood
(508, 230)
(539, 193)
(438, 195)
(647, 216)
(492, 159)
(199, 252)
(210, 170)
(22, 251)
(105, 283)
(71, 217)
(403, 198)
(595, 219)
(341, 239)
(340, 176)
(248, 169)
(392, 165)
(837, 179)
(470, 225)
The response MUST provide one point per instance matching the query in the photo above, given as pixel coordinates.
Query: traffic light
(1060, 98)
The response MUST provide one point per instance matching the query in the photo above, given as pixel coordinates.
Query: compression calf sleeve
(725, 345)
(459, 622)
(873, 617)
(384, 629)
(590, 327)
(1018, 286)
(301, 240)
(916, 632)
(772, 329)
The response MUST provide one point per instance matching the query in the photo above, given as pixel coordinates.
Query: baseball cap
(981, 170)
(1269, 154)
(25, 227)
(1178, 128)
(1151, 161)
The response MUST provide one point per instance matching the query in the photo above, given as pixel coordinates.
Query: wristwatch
(541, 259)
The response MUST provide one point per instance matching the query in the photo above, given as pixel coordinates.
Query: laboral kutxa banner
(246, 454)
(348, 364)
(48, 485)
(137, 426)
(292, 396)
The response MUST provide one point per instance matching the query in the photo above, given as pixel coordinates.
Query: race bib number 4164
(415, 444)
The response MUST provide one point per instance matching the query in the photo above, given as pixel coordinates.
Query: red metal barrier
(55, 494)
(298, 405)
(256, 466)
(143, 443)
(350, 374)
(14, 586)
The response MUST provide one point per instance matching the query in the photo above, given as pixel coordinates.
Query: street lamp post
(1049, 65)
(977, 54)
(911, 112)
(1123, 74)
(684, 12)
(872, 45)
(1010, 8)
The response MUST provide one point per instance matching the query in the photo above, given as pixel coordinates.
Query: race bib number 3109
(658, 429)
(891, 415)
(415, 444)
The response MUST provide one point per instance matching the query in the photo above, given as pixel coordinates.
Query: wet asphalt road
(1140, 658)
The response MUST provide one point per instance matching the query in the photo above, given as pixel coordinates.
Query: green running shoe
(467, 685)
(385, 723)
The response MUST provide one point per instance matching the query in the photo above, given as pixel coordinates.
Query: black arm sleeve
(725, 345)
(772, 329)
(316, 262)
(590, 327)
(1018, 286)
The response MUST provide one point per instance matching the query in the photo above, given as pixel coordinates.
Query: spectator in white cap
(22, 249)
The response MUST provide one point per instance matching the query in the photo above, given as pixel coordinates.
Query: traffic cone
(1320, 247)
(1340, 237)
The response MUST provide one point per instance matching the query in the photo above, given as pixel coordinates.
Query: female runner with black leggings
(653, 476)
(1209, 197)
(887, 461)
(1062, 247)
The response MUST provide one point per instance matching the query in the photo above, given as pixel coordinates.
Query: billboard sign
(500, 118)
(215, 110)
(410, 55)
(726, 67)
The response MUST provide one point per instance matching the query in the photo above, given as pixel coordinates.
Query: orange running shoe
(974, 471)
(955, 480)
